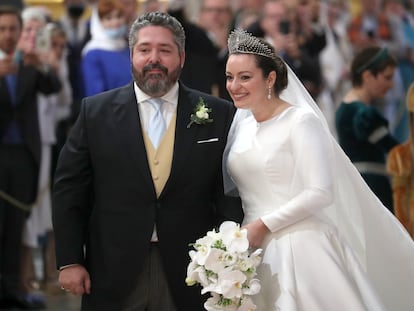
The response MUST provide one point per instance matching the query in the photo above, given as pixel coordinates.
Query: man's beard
(155, 84)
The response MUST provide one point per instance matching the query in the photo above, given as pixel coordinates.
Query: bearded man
(139, 178)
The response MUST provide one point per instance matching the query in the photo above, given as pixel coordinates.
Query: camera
(284, 27)
(43, 40)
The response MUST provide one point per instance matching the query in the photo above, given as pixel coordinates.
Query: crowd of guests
(48, 64)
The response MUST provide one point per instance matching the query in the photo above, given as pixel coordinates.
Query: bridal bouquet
(222, 264)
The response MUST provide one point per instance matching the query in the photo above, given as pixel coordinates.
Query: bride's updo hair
(273, 64)
(243, 42)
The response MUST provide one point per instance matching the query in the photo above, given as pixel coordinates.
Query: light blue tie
(156, 127)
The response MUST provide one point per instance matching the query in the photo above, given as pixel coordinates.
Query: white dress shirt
(147, 111)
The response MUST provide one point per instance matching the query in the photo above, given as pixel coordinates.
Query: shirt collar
(170, 97)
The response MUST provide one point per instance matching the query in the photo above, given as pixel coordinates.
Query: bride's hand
(256, 232)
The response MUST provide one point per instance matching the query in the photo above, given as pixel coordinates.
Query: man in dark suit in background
(133, 200)
(201, 66)
(22, 75)
(16, 3)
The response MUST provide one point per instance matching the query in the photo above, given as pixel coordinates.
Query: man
(200, 69)
(76, 24)
(22, 75)
(215, 18)
(76, 27)
(131, 9)
(278, 28)
(16, 3)
(133, 204)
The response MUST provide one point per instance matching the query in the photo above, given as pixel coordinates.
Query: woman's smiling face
(245, 82)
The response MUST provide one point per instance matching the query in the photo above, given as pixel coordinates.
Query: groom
(135, 185)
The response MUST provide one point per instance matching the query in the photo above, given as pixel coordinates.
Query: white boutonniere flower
(223, 266)
(201, 114)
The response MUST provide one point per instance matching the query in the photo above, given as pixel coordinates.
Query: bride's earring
(269, 94)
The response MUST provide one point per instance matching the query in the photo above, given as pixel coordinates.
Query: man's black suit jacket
(30, 81)
(104, 196)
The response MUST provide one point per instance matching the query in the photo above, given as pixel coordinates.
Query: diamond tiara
(240, 41)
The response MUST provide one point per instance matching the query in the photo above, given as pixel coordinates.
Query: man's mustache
(154, 66)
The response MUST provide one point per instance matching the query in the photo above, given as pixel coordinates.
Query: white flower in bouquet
(222, 265)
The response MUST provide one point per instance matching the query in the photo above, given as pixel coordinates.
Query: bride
(328, 243)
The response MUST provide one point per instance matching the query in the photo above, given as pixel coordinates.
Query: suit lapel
(127, 118)
(184, 137)
(4, 91)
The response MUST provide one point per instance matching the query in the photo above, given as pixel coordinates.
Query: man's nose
(154, 56)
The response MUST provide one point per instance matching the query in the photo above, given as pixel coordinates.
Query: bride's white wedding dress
(282, 169)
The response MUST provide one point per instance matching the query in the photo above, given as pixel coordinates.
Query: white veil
(381, 244)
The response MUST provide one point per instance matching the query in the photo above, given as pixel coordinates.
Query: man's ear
(182, 59)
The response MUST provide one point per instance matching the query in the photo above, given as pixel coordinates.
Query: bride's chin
(238, 104)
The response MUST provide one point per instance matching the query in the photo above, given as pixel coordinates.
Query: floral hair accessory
(201, 114)
(222, 264)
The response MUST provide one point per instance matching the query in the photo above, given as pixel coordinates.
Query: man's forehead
(152, 34)
(9, 20)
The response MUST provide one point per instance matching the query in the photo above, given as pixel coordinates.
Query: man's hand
(75, 279)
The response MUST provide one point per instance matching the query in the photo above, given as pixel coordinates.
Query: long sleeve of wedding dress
(311, 156)
(284, 172)
(322, 215)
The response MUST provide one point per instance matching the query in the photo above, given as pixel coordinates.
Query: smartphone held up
(43, 44)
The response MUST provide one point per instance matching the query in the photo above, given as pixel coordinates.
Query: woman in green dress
(362, 130)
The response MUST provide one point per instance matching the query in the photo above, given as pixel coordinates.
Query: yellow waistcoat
(160, 159)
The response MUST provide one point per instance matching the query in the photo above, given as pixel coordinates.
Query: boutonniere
(201, 114)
